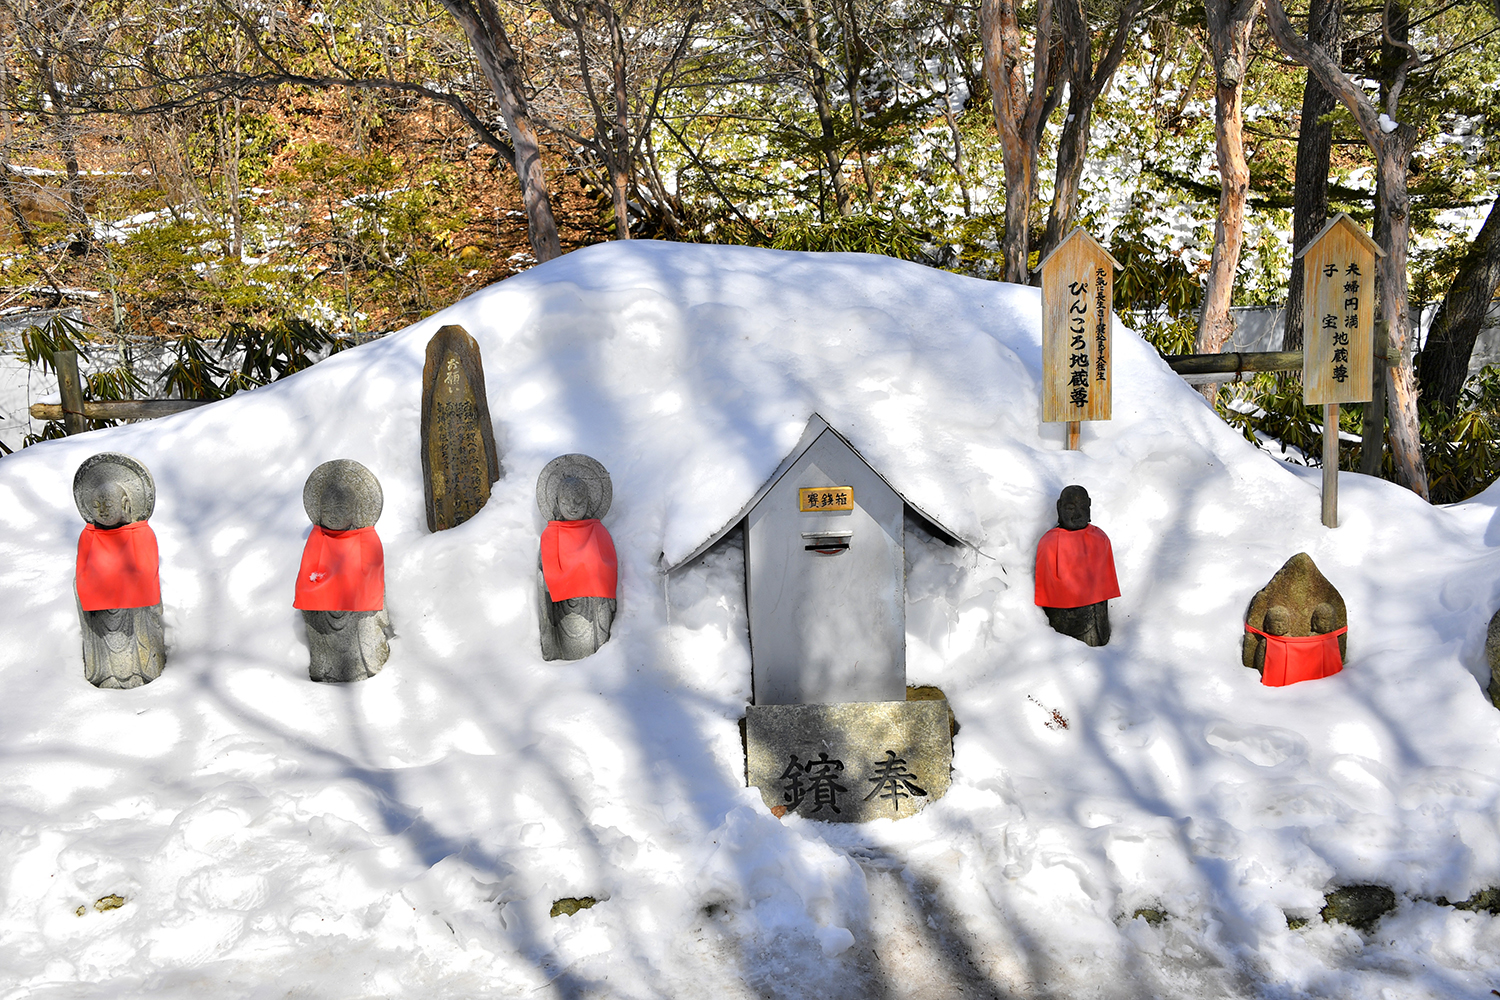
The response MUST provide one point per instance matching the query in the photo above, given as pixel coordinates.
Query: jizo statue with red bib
(341, 582)
(578, 563)
(1075, 572)
(117, 576)
(1296, 626)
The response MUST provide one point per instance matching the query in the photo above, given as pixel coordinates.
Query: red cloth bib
(341, 571)
(1293, 658)
(1075, 568)
(578, 560)
(118, 567)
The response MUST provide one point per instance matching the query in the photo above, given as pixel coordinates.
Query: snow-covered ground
(407, 836)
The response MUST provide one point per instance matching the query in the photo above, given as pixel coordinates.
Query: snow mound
(407, 836)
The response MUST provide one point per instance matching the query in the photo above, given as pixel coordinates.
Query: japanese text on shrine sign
(820, 498)
(1339, 314)
(1077, 290)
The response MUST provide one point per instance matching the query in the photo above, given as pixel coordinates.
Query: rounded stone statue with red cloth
(1296, 626)
(579, 570)
(341, 581)
(1075, 572)
(116, 578)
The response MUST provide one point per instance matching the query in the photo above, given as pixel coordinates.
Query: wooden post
(1331, 464)
(65, 363)
(1075, 431)
(1372, 450)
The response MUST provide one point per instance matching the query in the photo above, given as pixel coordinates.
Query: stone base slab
(849, 763)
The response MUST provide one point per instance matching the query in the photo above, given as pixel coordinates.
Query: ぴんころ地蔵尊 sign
(1339, 314)
(1078, 283)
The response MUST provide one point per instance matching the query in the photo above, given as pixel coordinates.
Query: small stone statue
(341, 582)
(579, 570)
(1295, 626)
(1075, 572)
(117, 579)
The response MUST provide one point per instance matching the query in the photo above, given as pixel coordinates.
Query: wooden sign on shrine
(1078, 287)
(459, 458)
(1339, 321)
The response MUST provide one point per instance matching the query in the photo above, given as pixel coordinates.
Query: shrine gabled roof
(1077, 230)
(1354, 227)
(816, 428)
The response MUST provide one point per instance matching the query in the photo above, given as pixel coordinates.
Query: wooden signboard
(459, 459)
(1078, 287)
(1338, 321)
(1339, 311)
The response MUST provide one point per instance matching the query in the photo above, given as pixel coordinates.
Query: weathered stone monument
(1075, 572)
(579, 569)
(117, 578)
(459, 458)
(1492, 657)
(341, 582)
(1296, 625)
(830, 734)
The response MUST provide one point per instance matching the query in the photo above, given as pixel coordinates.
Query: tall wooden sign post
(1339, 317)
(1078, 287)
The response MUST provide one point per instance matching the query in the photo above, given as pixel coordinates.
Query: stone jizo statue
(1295, 626)
(341, 582)
(579, 570)
(1075, 572)
(117, 581)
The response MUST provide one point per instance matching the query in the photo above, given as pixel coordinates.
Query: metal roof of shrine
(817, 427)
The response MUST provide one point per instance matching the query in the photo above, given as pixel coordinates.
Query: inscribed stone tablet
(849, 763)
(459, 459)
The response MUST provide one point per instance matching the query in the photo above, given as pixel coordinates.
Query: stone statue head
(342, 494)
(574, 488)
(111, 489)
(1073, 508)
(1324, 619)
(1278, 620)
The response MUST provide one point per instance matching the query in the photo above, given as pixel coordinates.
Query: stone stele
(122, 647)
(849, 763)
(459, 458)
(1301, 589)
(345, 646)
(1492, 656)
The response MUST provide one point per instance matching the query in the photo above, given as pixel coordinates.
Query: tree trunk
(1229, 36)
(1443, 364)
(1019, 116)
(7, 182)
(1085, 84)
(1314, 143)
(1392, 151)
(619, 167)
(818, 82)
(502, 69)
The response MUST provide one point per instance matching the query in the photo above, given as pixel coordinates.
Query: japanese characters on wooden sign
(1078, 286)
(1339, 311)
(825, 498)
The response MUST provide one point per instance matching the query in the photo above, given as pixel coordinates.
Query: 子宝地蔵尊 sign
(1338, 314)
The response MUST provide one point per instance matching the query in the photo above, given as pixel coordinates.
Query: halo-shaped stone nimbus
(359, 482)
(110, 468)
(586, 470)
